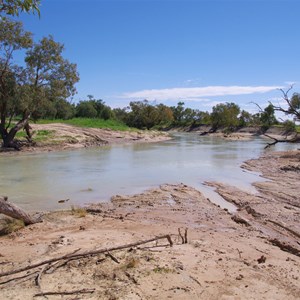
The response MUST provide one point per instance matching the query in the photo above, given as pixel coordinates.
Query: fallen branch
(183, 238)
(11, 210)
(27, 276)
(87, 253)
(39, 276)
(112, 257)
(83, 291)
(294, 139)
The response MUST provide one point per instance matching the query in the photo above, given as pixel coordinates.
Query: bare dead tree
(293, 108)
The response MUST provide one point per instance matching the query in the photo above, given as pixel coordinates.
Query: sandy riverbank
(255, 255)
(65, 137)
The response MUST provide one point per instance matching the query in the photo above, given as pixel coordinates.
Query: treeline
(147, 115)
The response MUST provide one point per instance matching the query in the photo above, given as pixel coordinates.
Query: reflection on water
(38, 181)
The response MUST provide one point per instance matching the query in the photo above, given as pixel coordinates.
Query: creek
(36, 182)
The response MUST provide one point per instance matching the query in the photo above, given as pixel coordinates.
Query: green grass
(78, 212)
(9, 225)
(90, 123)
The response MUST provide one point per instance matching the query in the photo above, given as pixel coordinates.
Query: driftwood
(83, 291)
(294, 139)
(11, 210)
(86, 254)
(183, 238)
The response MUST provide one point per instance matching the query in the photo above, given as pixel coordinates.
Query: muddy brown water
(39, 181)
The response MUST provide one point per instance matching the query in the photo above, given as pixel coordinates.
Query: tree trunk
(15, 212)
(8, 140)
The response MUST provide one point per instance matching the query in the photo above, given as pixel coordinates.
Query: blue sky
(199, 52)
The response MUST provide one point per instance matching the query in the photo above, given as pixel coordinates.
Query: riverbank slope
(58, 136)
(252, 255)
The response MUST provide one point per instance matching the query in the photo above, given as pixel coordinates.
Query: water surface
(39, 181)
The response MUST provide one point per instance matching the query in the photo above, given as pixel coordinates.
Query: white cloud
(196, 93)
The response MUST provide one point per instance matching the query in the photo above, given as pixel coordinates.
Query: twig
(239, 252)
(112, 257)
(39, 276)
(27, 276)
(181, 236)
(131, 278)
(87, 253)
(185, 235)
(196, 280)
(83, 291)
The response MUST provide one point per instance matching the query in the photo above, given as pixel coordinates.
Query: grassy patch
(78, 212)
(9, 225)
(90, 123)
(43, 135)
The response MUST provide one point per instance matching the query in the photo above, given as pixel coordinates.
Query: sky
(197, 51)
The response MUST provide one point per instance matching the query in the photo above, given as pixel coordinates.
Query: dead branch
(181, 236)
(39, 276)
(195, 279)
(27, 276)
(185, 235)
(291, 110)
(11, 210)
(294, 139)
(112, 257)
(83, 291)
(86, 254)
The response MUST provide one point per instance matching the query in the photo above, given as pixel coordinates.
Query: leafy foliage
(225, 116)
(14, 7)
(93, 108)
(38, 89)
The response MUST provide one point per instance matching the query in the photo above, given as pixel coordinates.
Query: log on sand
(11, 210)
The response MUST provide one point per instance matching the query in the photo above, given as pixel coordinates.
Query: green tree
(93, 108)
(142, 115)
(14, 7)
(164, 115)
(64, 109)
(86, 109)
(178, 112)
(267, 116)
(245, 118)
(35, 89)
(225, 116)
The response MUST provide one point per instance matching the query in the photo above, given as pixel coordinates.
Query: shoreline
(63, 137)
(253, 255)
